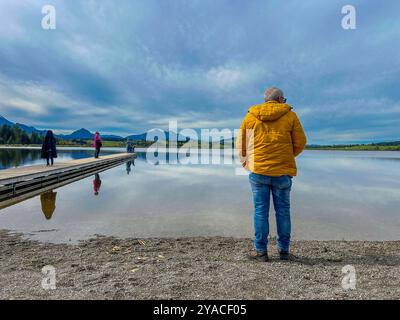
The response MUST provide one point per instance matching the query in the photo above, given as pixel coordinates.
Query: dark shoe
(283, 255)
(262, 257)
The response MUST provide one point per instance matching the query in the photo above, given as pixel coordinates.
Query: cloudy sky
(125, 67)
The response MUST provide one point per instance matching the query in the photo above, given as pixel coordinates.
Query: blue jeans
(262, 186)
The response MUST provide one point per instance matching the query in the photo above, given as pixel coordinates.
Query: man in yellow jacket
(269, 139)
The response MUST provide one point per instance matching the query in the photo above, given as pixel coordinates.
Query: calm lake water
(337, 195)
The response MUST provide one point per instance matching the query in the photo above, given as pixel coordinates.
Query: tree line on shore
(15, 135)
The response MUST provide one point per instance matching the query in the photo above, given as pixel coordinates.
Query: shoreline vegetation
(14, 136)
(196, 268)
(143, 144)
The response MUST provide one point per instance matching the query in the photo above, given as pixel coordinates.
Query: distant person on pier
(270, 138)
(130, 147)
(97, 144)
(49, 150)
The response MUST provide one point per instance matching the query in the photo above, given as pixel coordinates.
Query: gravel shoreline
(196, 268)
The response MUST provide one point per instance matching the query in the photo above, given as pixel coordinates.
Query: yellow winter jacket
(270, 138)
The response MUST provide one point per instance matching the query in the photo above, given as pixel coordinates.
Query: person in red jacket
(97, 143)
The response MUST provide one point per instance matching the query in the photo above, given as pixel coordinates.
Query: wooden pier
(21, 183)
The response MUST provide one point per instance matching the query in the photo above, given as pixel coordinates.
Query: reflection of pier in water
(21, 183)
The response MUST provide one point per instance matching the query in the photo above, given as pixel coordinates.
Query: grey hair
(272, 94)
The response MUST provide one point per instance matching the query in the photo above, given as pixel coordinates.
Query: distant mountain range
(5, 121)
(86, 134)
(25, 128)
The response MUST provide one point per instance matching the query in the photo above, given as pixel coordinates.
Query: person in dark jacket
(49, 150)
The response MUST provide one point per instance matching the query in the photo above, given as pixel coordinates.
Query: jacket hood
(270, 110)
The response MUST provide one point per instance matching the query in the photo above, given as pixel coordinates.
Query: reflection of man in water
(128, 167)
(96, 184)
(48, 201)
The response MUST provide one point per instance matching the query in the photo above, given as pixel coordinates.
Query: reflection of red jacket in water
(96, 184)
